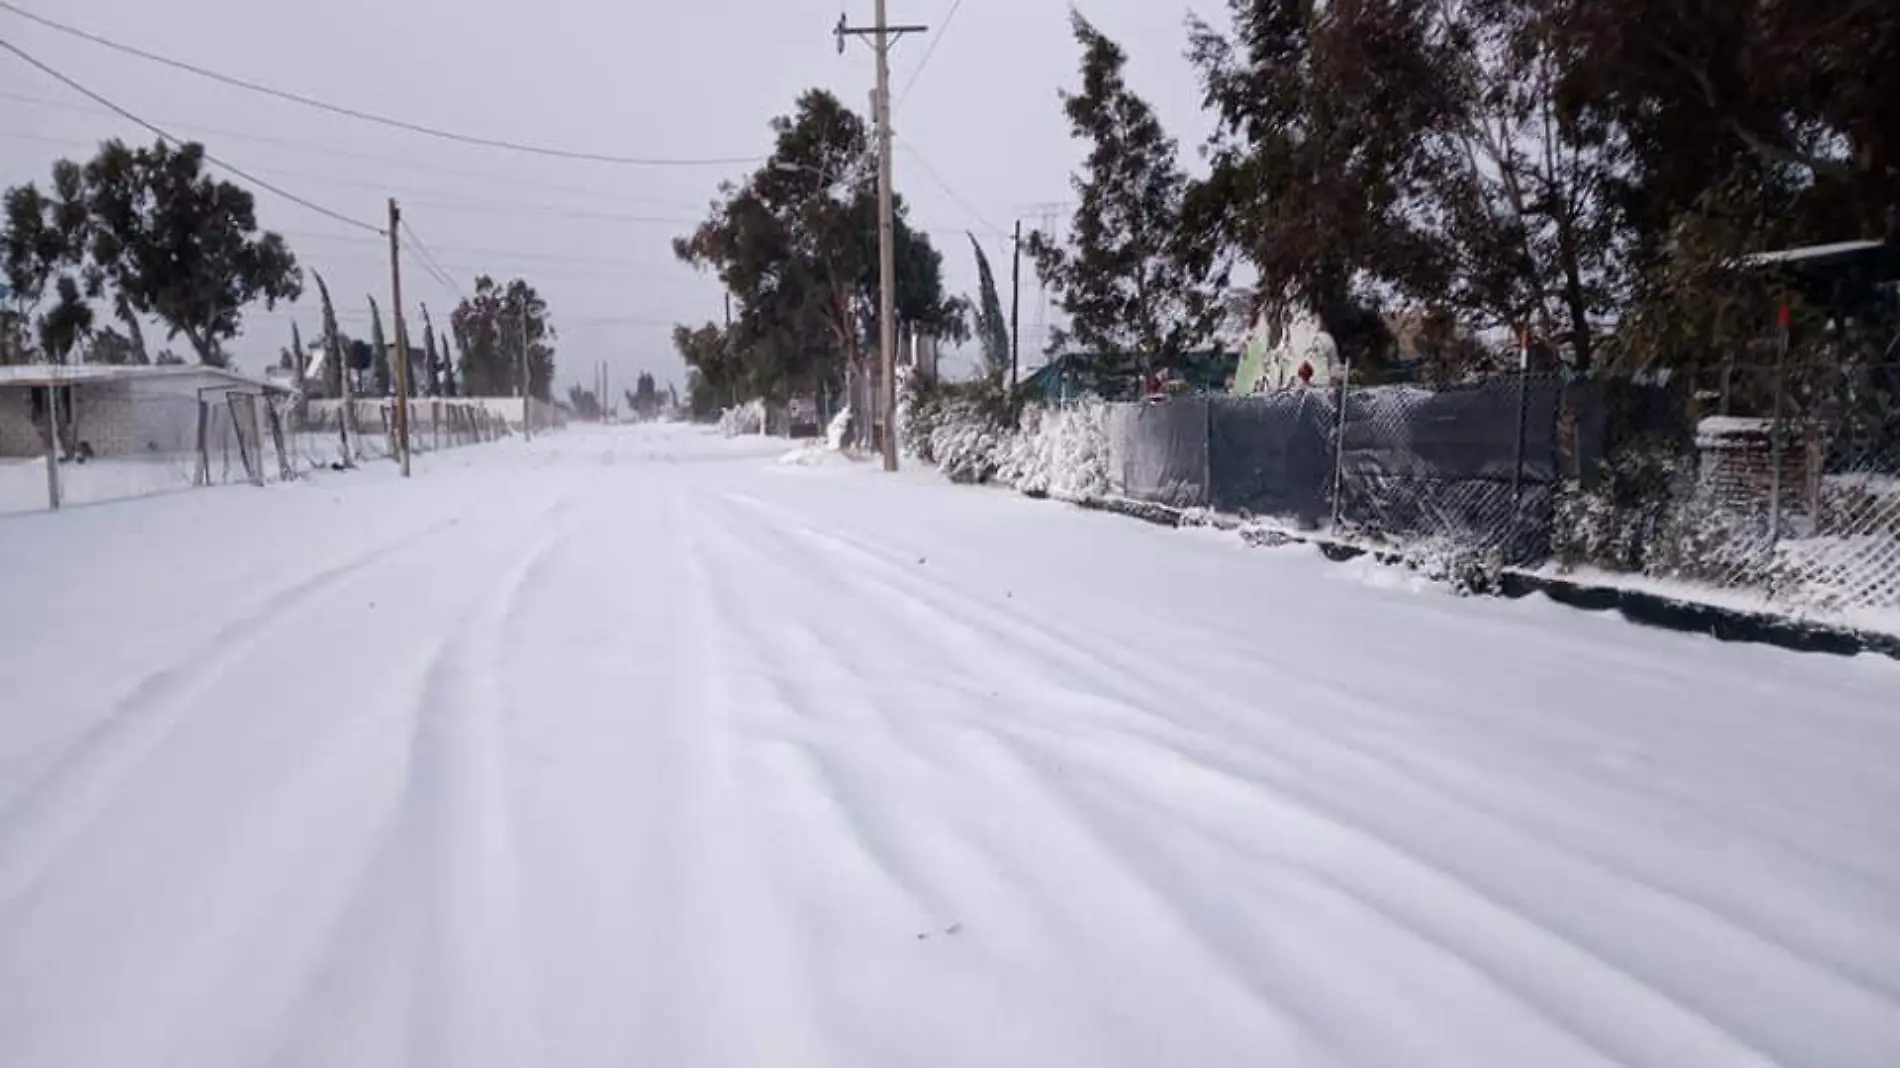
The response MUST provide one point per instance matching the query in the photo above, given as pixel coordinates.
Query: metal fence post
(1523, 416)
(1339, 441)
(1207, 451)
(1775, 434)
(203, 474)
(52, 443)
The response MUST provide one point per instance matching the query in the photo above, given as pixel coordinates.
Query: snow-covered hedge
(747, 418)
(1060, 452)
(968, 433)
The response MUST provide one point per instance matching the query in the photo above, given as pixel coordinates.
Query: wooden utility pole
(401, 363)
(1015, 307)
(882, 36)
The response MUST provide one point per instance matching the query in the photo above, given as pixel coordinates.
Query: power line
(346, 153)
(942, 29)
(371, 117)
(428, 260)
(429, 266)
(129, 117)
(564, 322)
(513, 207)
(665, 268)
(936, 178)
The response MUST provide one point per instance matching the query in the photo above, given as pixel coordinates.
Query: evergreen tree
(379, 353)
(110, 348)
(796, 247)
(1327, 118)
(490, 323)
(181, 246)
(430, 356)
(448, 363)
(333, 355)
(299, 359)
(1129, 287)
(992, 329)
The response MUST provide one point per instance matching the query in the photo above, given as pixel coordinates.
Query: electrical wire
(935, 39)
(329, 151)
(428, 260)
(938, 180)
(371, 117)
(668, 269)
(157, 132)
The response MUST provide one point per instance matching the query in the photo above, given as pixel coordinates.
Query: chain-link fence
(320, 430)
(100, 438)
(1770, 489)
(93, 442)
(1777, 489)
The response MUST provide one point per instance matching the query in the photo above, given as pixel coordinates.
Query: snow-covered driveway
(637, 748)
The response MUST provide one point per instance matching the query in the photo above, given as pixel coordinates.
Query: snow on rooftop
(41, 374)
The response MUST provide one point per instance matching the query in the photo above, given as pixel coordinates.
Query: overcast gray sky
(699, 78)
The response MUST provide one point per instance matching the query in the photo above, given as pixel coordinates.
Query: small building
(128, 411)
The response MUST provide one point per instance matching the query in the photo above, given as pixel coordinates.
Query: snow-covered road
(635, 747)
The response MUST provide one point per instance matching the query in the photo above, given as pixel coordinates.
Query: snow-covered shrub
(967, 445)
(1468, 569)
(1617, 521)
(1061, 452)
(747, 418)
(962, 428)
(1706, 538)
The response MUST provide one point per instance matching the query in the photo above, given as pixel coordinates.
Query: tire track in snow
(1855, 1004)
(1345, 807)
(53, 809)
(741, 946)
(914, 831)
(803, 769)
(439, 895)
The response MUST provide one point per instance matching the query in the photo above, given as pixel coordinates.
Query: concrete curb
(1640, 607)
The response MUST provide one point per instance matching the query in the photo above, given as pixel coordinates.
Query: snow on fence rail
(1621, 481)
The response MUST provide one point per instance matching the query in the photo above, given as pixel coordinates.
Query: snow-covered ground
(637, 746)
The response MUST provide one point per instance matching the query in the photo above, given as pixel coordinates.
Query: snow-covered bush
(747, 418)
(1618, 521)
(970, 434)
(1468, 569)
(966, 442)
(1061, 452)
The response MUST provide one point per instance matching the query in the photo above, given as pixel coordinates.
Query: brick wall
(1736, 466)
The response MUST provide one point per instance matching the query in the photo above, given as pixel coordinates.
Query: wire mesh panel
(247, 429)
(1272, 454)
(1166, 455)
(1472, 466)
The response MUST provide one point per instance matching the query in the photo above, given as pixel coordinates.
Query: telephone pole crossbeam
(882, 35)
